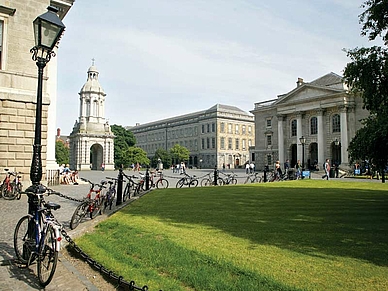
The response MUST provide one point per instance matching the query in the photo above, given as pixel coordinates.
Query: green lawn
(295, 235)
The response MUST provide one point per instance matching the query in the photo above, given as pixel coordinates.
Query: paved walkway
(66, 276)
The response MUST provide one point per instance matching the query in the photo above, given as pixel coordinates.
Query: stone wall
(18, 89)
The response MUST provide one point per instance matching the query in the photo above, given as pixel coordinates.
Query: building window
(229, 143)
(250, 130)
(208, 127)
(229, 128)
(222, 142)
(336, 123)
(222, 127)
(269, 140)
(237, 144)
(213, 142)
(208, 143)
(269, 122)
(213, 127)
(244, 144)
(269, 159)
(243, 129)
(203, 128)
(237, 129)
(249, 142)
(293, 127)
(314, 125)
(203, 143)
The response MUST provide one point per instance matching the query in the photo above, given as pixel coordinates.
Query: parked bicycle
(253, 178)
(160, 183)
(133, 188)
(209, 180)
(230, 179)
(187, 180)
(37, 236)
(12, 186)
(90, 205)
(110, 193)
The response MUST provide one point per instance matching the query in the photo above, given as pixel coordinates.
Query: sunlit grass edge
(234, 229)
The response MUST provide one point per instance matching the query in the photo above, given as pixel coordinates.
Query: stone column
(321, 138)
(299, 133)
(344, 136)
(280, 138)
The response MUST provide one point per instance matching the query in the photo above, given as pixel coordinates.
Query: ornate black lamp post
(48, 29)
(302, 140)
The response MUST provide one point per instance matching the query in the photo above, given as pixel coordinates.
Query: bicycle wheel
(10, 194)
(48, 257)
(220, 182)
(22, 243)
(79, 213)
(112, 198)
(127, 191)
(193, 183)
(19, 188)
(180, 183)
(97, 207)
(233, 181)
(162, 184)
(206, 182)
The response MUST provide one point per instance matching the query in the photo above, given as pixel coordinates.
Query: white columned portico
(299, 133)
(344, 136)
(280, 138)
(321, 138)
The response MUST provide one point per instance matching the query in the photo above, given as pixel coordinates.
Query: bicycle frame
(43, 218)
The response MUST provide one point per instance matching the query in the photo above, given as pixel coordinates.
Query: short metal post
(215, 175)
(265, 173)
(147, 178)
(119, 187)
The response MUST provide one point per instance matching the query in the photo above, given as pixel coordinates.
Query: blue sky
(162, 58)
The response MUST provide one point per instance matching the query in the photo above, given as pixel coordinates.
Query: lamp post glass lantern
(302, 140)
(48, 29)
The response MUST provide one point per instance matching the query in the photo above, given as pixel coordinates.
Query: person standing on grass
(326, 168)
(298, 169)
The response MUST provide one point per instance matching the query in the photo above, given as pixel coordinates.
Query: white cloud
(158, 59)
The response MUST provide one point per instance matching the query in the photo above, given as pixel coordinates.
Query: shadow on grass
(318, 222)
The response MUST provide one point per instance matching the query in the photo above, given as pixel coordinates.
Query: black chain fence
(131, 285)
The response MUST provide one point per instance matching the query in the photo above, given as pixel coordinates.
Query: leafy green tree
(367, 75)
(164, 156)
(123, 140)
(179, 153)
(374, 19)
(133, 155)
(62, 153)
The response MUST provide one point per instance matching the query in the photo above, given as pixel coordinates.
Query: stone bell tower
(91, 141)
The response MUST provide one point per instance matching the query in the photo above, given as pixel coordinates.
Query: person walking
(326, 168)
(247, 168)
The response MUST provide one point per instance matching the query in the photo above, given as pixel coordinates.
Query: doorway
(96, 156)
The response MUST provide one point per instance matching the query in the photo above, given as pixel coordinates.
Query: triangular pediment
(306, 92)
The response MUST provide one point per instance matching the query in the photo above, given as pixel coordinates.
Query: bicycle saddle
(52, 205)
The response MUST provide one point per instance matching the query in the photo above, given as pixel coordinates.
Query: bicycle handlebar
(92, 185)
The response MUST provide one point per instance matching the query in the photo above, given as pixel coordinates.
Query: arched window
(313, 125)
(293, 127)
(336, 123)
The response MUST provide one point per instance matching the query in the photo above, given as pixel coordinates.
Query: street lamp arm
(42, 58)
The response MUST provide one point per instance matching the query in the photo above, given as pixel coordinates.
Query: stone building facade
(18, 86)
(91, 141)
(219, 135)
(322, 111)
